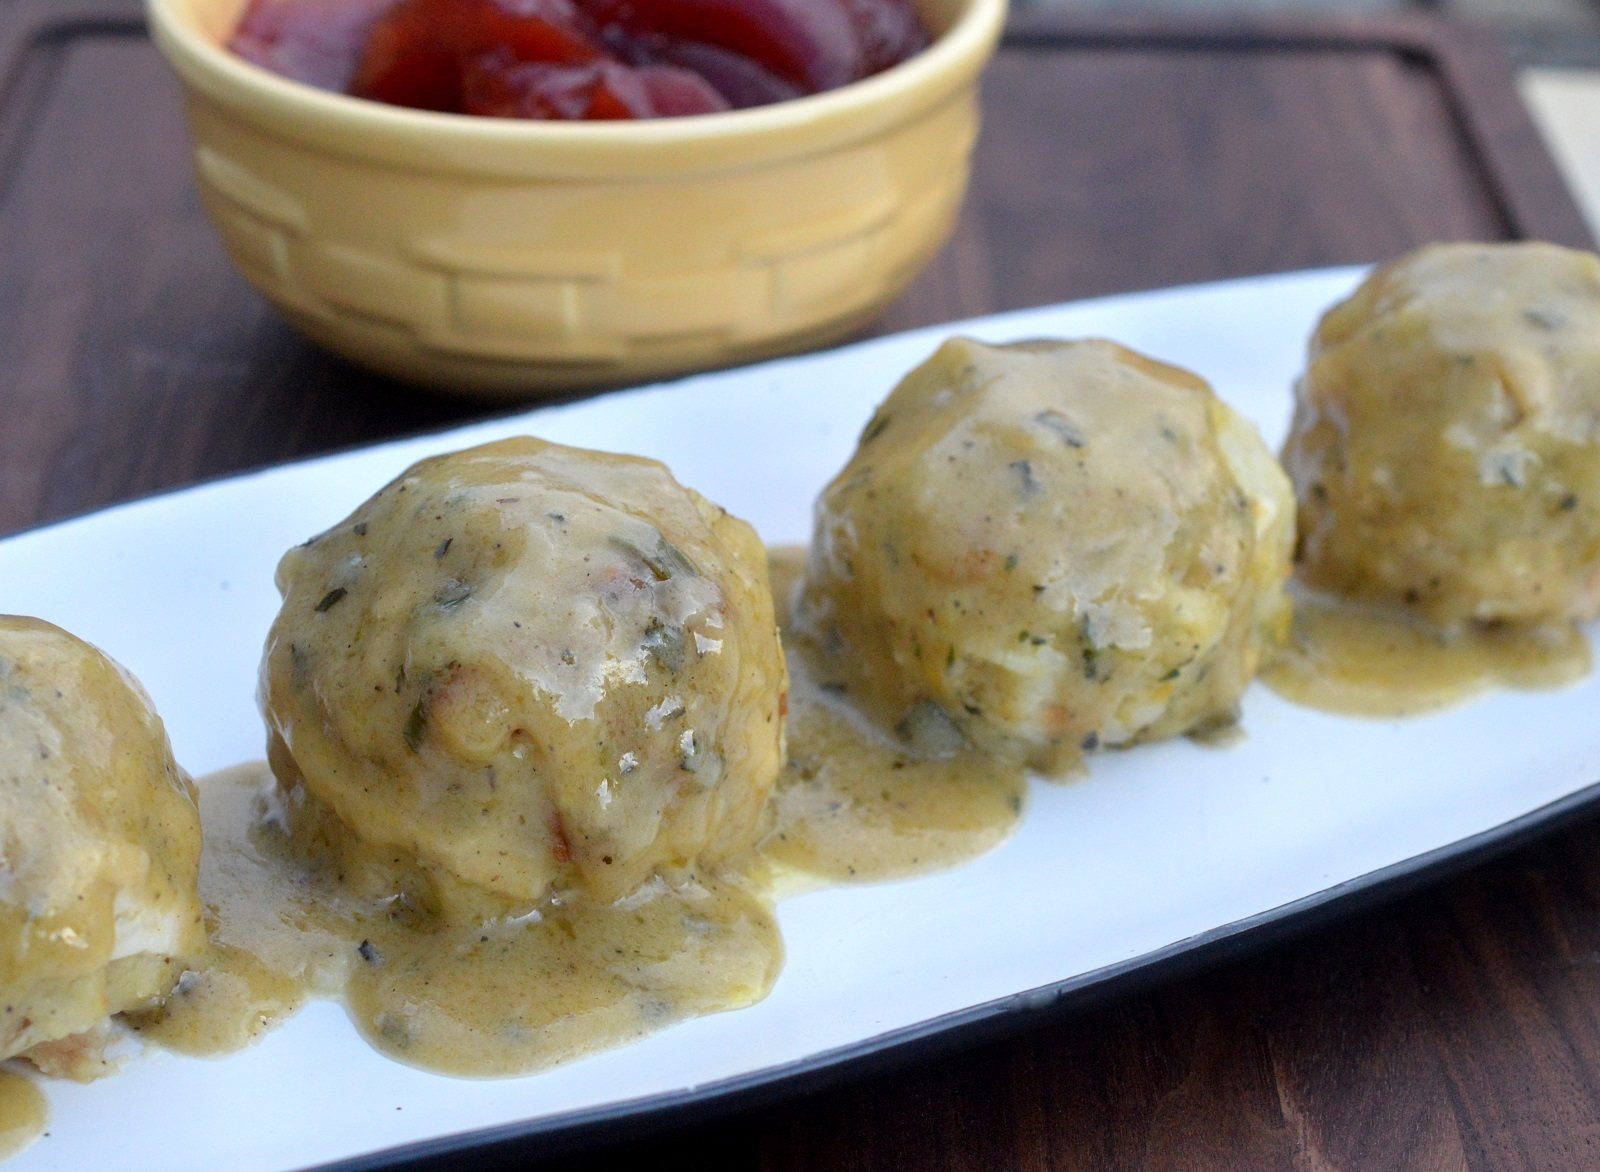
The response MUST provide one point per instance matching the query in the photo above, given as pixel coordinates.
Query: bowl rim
(948, 61)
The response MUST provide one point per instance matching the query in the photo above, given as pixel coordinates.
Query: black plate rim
(591, 1128)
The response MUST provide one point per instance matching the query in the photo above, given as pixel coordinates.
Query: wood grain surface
(1458, 1028)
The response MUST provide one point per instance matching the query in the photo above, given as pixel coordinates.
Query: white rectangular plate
(1163, 849)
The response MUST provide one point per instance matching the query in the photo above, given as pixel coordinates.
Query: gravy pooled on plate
(854, 804)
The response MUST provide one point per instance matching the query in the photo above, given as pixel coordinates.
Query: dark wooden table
(1458, 1027)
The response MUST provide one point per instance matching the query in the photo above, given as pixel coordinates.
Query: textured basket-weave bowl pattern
(511, 258)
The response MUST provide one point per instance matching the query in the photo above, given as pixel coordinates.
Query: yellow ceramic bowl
(509, 258)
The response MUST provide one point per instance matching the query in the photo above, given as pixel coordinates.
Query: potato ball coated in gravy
(532, 667)
(99, 850)
(1048, 547)
(1446, 440)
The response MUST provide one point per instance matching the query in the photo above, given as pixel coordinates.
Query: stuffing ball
(1446, 440)
(1048, 547)
(99, 850)
(532, 668)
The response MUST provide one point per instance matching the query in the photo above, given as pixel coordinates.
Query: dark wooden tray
(1452, 1030)
(1130, 155)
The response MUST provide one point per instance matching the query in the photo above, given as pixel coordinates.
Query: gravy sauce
(24, 1112)
(1361, 661)
(439, 986)
(852, 804)
(435, 975)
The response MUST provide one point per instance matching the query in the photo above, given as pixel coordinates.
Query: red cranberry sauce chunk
(502, 88)
(578, 59)
(419, 54)
(314, 41)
